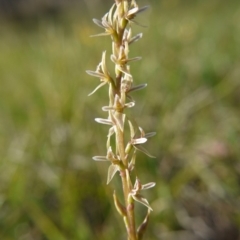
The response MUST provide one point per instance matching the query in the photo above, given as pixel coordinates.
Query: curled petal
(129, 105)
(132, 21)
(142, 132)
(137, 186)
(104, 121)
(113, 58)
(138, 141)
(133, 160)
(111, 131)
(141, 200)
(142, 9)
(120, 208)
(124, 69)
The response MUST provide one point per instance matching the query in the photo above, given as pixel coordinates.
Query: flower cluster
(117, 24)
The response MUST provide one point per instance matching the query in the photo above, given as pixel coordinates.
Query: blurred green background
(50, 189)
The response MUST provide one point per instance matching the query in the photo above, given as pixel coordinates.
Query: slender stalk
(131, 228)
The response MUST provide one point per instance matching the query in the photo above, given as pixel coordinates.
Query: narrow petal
(135, 38)
(138, 141)
(100, 158)
(110, 14)
(104, 121)
(98, 22)
(134, 59)
(132, 131)
(111, 131)
(137, 186)
(151, 134)
(142, 149)
(113, 58)
(129, 35)
(107, 108)
(138, 87)
(99, 86)
(148, 185)
(106, 24)
(142, 9)
(101, 34)
(95, 74)
(142, 132)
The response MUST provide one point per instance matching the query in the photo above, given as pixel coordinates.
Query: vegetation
(49, 186)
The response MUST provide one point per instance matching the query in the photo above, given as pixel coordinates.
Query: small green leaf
(120, 208)
(111, 172)
(142, 228)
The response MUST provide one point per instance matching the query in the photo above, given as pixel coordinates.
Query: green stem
(127, 185)
(130, 225)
